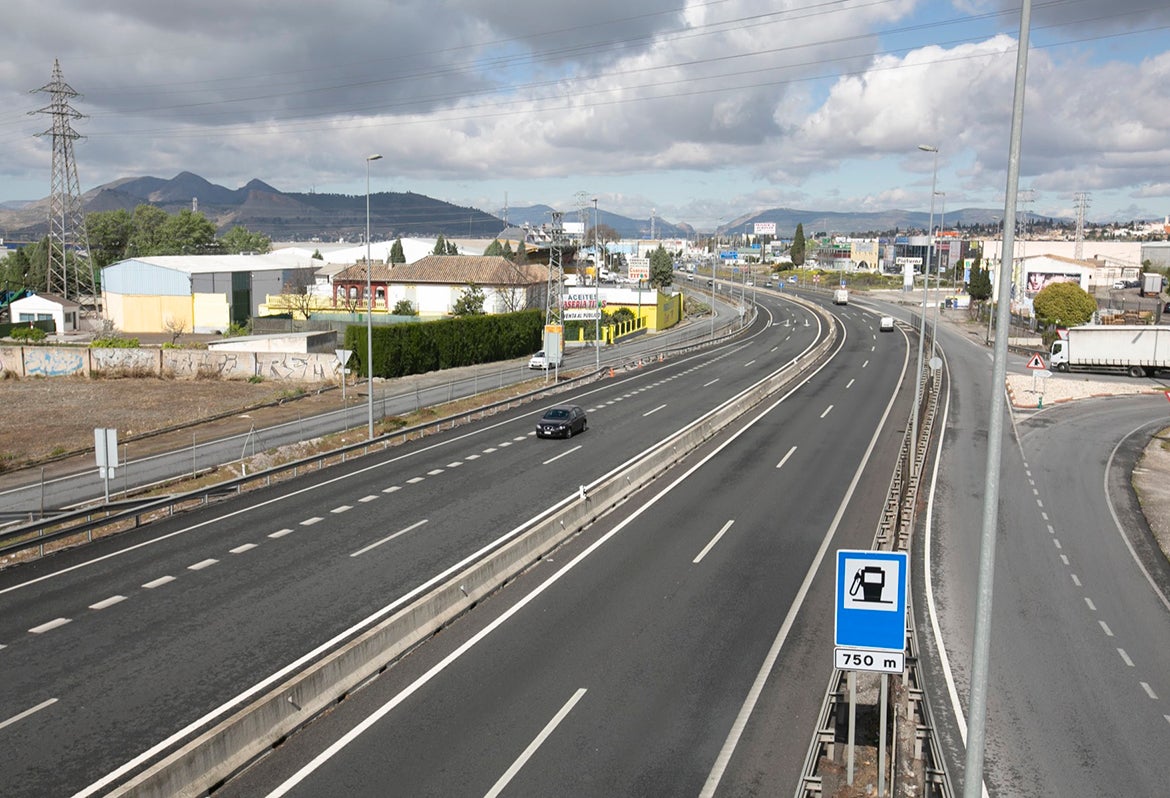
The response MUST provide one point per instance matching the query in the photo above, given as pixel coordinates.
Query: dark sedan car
(562, 421)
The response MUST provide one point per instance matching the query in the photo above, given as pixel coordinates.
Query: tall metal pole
(938, 272)
(369, 309)
(596, 290)
(981, 650)
(922, 320)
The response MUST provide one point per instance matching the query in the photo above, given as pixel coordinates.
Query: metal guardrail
(79, 526)
(916, 765)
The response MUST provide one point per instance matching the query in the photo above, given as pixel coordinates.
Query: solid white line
(652, 412)
(280, 533)
(713, 541)
(545, 733)
(784, 459)
(1125, 657)
(828, 410)
(111, 601)
(242, 549)
(344, 508)
(310, 521)
(27, 712)
(199, 566)
(562, 454)
(162, 580)
(47, 627)
(376, 544)
(1105, 628)
(1149, 691)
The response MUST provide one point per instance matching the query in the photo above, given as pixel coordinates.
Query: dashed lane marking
(279, 533)
(310, 521)
(47, 627)
(199, 566)
(111, 601)
(162, 580)
(245, 547)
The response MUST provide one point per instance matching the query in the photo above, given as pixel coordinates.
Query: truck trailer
(1137, 349)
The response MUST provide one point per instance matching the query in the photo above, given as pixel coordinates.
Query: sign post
(870, 629)
(105, 447)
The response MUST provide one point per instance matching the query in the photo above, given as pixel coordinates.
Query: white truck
(1137, 349)
(841, 297)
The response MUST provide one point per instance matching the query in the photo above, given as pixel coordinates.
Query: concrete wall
(57, 361)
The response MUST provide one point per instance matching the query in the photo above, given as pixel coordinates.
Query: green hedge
(48, 325)
(419, 347)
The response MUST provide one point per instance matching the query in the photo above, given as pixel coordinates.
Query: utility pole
(71, 273)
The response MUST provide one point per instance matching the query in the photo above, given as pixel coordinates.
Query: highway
(1079, 694)
(623, 666)
(119, 648)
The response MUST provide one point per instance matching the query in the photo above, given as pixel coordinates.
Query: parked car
(886, 324)
(1118, 285)
(562, 421)
(792, 278)
(538, 361)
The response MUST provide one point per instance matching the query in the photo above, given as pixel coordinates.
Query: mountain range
(291, 216)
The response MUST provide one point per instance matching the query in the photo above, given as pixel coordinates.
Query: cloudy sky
(698, 110)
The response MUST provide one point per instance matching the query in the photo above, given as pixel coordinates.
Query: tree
(521, 255)
(404, 308)
(1064, 304)
(188, 233)
(297, 294)
(470, 302)
(397, 255)
(27, 267)
(317, 255)
(175, 327)
(109, 234)
(979, 284)
(494, 249)
(796, 251)
(440, 246)
(146, 239)
(239, 239)
(661, 268)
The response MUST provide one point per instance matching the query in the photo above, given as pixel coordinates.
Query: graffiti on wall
(53, 362)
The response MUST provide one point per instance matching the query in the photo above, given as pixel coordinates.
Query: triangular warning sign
(1036, 363)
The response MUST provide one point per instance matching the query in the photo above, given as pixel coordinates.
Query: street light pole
(922, 320)
(369, 310)
(938, 271)
(596, 290)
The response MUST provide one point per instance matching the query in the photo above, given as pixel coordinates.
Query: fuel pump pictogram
(871, 581)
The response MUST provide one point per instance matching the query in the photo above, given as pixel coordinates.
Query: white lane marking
(1044, 516)
(310, 521)
(1056, 542)
(1149, 691)
(784, 459)
(745, 365)
(1064, 559)
(502, 444)
(162, 580)
(866, 363)
(243, 548)
(1077, 581)
(652, 412)
(389, 538)
(524, 436)
(489, 450)
(49, 626)
(471, 457)
(392, 489)
(849, 384)
(1105, 628)
(434, 472)
(711, 544)
(343, 508)
(1040, 504)
(828, 410)
(31, 710)
(1125, 657)
(1051, 529)
(280, 533)
(562, 454)
(199, 566)
(456, 464)
(368, 498)
(414, 480)
(111, 601)
(545, 733)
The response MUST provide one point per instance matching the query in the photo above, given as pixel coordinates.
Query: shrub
(27, 334)
(114, 342)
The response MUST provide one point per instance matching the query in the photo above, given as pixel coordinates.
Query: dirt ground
(46, 418)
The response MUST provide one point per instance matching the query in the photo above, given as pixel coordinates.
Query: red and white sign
(1036, 363)
(1062, 333)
